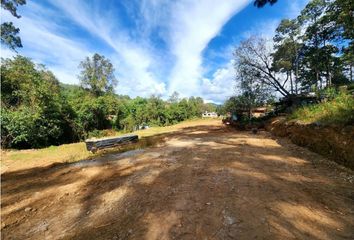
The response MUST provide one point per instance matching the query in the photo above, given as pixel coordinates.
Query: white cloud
(192, 26)
(132, 57)
(186, 27)
(6, 53)
(43, 43)
(295, 7)
(221, 85)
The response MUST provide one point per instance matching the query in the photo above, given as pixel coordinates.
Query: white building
(207, 114)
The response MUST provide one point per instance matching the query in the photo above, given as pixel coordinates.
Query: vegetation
(261, 3)
(311, 53)
(97, 75)
(77, 151)
(38, 111)
(9, 33)
(33, 111)
(339, 110)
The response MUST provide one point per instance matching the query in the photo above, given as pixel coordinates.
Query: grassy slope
(19, 159)
(339, 111)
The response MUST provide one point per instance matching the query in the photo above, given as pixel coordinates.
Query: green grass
(339, 111)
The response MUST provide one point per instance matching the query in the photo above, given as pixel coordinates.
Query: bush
(92, 114)
(28, 127)
(129, 123)
(101, 133)
(339, 111)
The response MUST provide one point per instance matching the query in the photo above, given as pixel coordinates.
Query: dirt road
(205, 182)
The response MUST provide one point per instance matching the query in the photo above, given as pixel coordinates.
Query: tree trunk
(296, 76)
(318, 80)
(291, 82)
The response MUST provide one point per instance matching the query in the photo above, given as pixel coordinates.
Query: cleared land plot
(13, 160)
(199, 182)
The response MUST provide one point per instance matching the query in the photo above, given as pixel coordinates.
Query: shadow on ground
(205, 182)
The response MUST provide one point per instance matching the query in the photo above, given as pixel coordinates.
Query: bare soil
(332, 141)
(201, 182)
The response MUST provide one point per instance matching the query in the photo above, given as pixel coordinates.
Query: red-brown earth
(202, 182)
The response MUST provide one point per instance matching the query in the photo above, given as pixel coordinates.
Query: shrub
(339, 111)
(28, 127)
(101, 133)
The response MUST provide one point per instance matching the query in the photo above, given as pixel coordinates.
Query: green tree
(287, 51)
(184, 110)
(155, 111)
(174, 98)
(9, 33)
(136, 115)
(197, 106)
(340, 13)
(231, 104)
(38, 111)
(315, 36)
(97, 75)
(34, 113)
(121, 113)
(253, 94)
(19, 79)
(92, 114)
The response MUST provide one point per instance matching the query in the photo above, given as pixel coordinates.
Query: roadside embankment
(334, 142)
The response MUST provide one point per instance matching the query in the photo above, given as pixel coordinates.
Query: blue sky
(156, 46)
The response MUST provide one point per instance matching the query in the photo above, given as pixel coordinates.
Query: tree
(174, 98)
(231, 105)
(38, 111)
(253, 57)
(155, 111)
(316, 35)
(19, 79)
(348, 60)
(97, 75)
(92, 113)
(340, 13)
(198, 106)
(254, 93)
(9, 33)
(262, 3)
(33, 113)
(121, 113)
(287, 50)
(136, 114)
(313, 51)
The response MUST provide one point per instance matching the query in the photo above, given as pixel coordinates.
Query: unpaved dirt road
(205, 182)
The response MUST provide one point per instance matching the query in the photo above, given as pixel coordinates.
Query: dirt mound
(334, 142)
